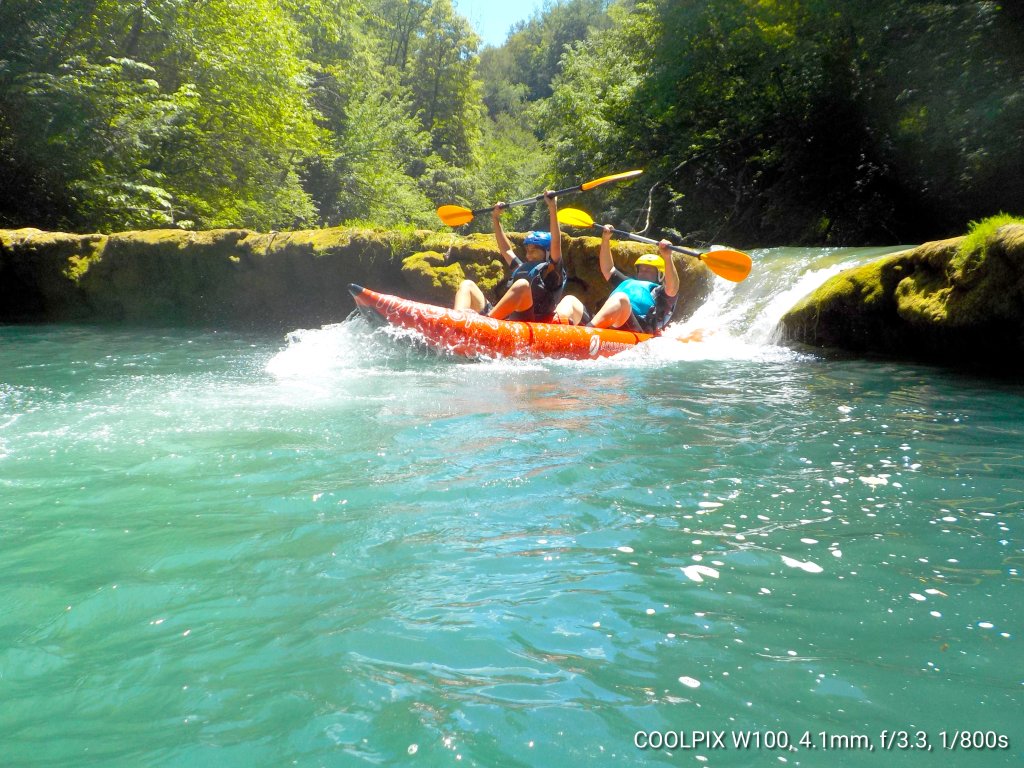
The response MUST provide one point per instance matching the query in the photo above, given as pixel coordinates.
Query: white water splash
(343, 350)
(736, 322)
(750, 311)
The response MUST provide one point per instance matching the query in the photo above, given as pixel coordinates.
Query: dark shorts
(535, 314)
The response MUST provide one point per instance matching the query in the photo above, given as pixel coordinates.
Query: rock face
(277, 280)
(937, 303)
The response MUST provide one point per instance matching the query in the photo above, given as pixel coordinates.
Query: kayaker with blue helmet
(644, 303)
(535, 283)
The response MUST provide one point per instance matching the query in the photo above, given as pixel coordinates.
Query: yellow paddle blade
(574, 217)
(732, 265)
(605, 179)
(455, 215)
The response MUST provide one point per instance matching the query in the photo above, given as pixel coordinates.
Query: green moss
(973, 248)
(429, 276)
(288, 279)
(957, 301)
(865, 286)
(923, 299)
(78, 266)
(434, 277)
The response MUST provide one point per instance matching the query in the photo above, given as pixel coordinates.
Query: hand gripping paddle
(456, 215)
(732, 265)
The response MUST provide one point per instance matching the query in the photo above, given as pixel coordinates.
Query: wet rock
(956, 302)
(281, 280)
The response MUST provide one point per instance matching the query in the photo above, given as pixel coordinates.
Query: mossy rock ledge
(278, 280)
(937, 303)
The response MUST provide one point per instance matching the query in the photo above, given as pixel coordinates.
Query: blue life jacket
(547, 281)
(652, 307)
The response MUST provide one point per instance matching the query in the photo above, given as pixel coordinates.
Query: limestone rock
(281, 280)
(938, 303)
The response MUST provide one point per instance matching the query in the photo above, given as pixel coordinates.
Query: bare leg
(469, 296)
(614, 313)
(518, 298)
(569, 310)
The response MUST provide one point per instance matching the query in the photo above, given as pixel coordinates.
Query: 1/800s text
(780, 740)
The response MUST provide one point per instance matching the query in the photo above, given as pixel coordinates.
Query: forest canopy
(757, 121)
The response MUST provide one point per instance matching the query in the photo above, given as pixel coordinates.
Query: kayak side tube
(468, 334)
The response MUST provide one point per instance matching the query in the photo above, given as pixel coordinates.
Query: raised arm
(499, 234)
(671, 275)
(605, 254)
(556, 232)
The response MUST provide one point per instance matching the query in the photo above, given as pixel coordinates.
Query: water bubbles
(808, 566)
(875, 481)
(698, 572)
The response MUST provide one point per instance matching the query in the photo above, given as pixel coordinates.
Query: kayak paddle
(456, 215)
(732, 265)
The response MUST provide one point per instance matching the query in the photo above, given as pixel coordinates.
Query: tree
(536, 46)
(801, 120)
(149, 112)
(445, 89)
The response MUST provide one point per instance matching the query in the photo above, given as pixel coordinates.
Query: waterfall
(750, 311)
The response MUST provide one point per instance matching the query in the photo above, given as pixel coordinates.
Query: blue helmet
(542, 239)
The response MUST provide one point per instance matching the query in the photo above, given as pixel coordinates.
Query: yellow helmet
(652, 260)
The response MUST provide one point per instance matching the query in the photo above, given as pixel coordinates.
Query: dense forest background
(758, 122)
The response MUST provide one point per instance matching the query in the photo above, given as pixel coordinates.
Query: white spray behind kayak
(737, 322)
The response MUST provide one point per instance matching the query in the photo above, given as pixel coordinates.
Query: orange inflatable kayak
(471, 335)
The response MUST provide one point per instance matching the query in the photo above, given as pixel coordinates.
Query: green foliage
(104, 119)
(800, 120)
(152, 113)
(236, 158)
(259, 113)
(756, 121)
(517, 166)
(596, 96)
(536, 46)
(368, 176)
(442, 81)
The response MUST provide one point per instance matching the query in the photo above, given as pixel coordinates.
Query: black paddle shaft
(534, 199)
(642, 239)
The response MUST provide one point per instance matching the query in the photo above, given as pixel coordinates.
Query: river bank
(241, 279)
(957, 302)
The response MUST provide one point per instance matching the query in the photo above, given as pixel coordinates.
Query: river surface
(334, 549)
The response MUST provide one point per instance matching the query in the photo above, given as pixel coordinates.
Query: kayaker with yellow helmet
(644, 303)
(535, 283)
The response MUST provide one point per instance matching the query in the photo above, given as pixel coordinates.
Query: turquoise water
(333, 549)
